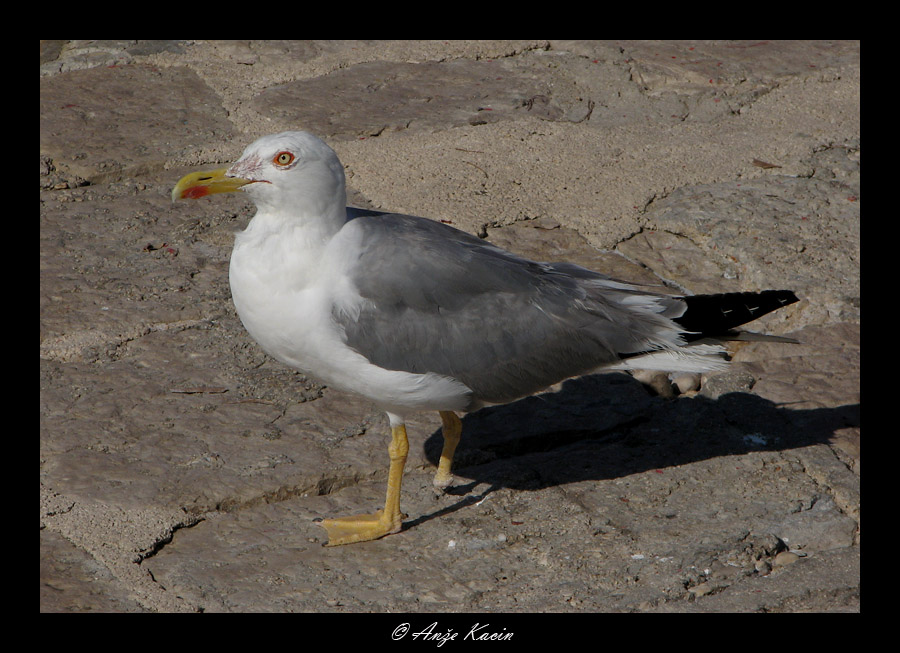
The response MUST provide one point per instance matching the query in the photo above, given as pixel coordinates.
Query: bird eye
(283, 158)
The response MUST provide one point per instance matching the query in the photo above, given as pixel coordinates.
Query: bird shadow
(607, 426)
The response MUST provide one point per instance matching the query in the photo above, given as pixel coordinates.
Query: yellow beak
(200, 184)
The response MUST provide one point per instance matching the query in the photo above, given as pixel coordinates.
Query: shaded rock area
(182, 469)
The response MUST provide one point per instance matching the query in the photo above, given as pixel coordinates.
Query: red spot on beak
(195, 192)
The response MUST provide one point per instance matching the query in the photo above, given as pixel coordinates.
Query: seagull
(416, 315)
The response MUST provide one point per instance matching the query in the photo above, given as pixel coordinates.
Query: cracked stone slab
(499, 173)
(691, 66)
(742, 234)
(827, 579)
(117, 262)
(66, 56)
(73, 581)
(102, 123)
(368, 98)
(635, 524)
(182, 470)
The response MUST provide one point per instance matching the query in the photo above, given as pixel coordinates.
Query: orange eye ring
(283, 159)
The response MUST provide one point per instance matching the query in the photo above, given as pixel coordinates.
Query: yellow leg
(361, 528)
(451, 431)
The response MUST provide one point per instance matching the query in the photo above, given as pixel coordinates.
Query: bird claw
(361, 528)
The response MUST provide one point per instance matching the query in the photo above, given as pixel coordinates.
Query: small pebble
(687, 382)
(657, 381)
(786, 558)
(701, 589)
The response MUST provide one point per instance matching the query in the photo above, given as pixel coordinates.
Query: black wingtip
(708, 315)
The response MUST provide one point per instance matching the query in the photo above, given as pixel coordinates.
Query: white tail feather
(696, 358)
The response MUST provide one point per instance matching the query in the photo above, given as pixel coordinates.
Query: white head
(293, 174)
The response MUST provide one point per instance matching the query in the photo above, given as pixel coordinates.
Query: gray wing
(440, 300)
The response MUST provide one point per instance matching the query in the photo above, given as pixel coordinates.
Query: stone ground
(181, 469)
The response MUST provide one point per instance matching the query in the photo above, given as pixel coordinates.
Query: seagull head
(292, 173)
